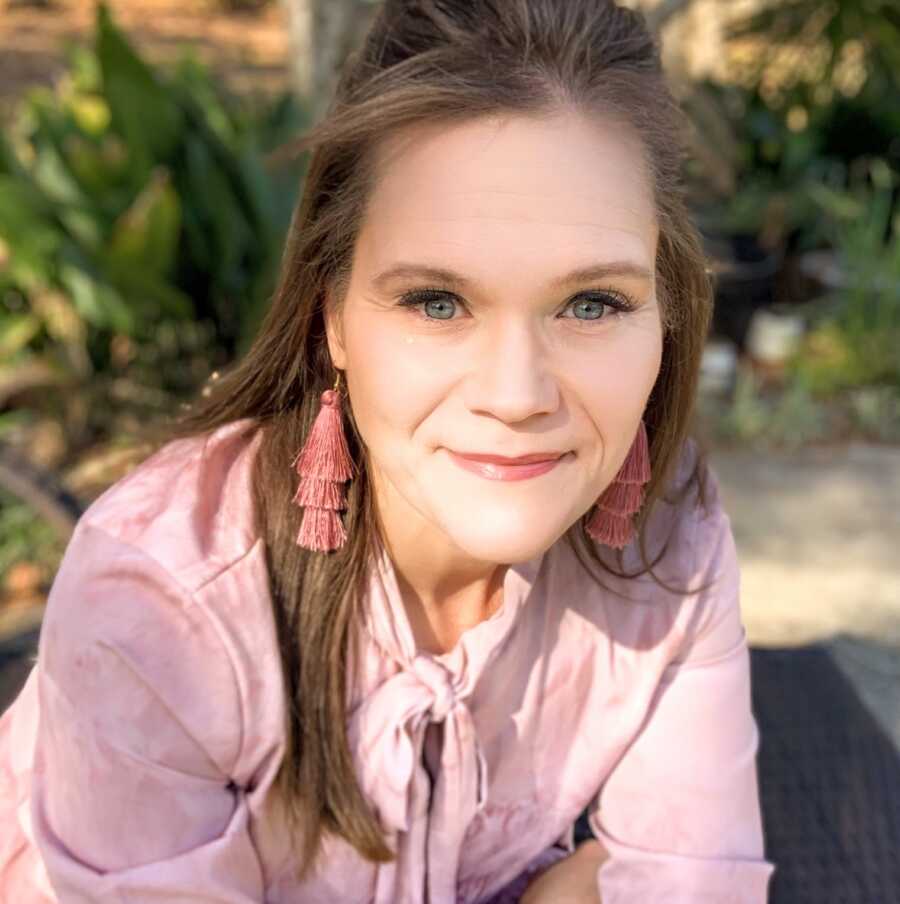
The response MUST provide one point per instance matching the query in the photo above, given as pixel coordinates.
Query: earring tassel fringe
(323, 464)
(611, 521)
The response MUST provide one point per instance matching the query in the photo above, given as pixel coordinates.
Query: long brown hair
(429, 60)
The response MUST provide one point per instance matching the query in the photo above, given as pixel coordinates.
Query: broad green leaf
(99, 304)
(142, 109)
(84, 69)
(146, 236)
(27, 228)
(192, 82)
(218, 228)
(16, 331)
(85, 226)
(58, 315)
(99, 167)
(52, 175)
(150, 296)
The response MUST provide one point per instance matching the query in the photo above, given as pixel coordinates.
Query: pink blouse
(137, 762)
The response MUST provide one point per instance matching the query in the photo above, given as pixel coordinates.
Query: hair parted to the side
(427, 61)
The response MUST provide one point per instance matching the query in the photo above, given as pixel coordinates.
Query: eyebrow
(585, 274)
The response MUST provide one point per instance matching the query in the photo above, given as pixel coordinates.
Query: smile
(496, 471)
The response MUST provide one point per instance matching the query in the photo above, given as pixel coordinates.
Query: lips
(502, 460)
(503, 470)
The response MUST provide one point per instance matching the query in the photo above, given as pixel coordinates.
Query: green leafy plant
(746, 415)
(855, 335)
(825, 39)
(135, 202)
(141, 224)
(758, 165)
(875, 412)
(811, 91)
(785, 417)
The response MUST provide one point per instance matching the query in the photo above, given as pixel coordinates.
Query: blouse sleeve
(132, 798)
(680, 813)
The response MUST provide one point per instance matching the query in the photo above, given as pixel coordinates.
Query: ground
(818, 535)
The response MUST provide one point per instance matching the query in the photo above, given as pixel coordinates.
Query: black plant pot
(744, 276)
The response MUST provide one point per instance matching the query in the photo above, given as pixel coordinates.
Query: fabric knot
(439, 683)
(427, 814)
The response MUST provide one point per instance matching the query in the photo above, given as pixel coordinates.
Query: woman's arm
(140, 726)
(680, 813)
(678, 819)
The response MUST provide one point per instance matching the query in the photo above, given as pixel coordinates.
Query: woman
(325, 645)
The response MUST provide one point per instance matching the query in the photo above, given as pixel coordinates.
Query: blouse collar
(387, 735)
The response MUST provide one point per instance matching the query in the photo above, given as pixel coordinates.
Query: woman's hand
(572, 880)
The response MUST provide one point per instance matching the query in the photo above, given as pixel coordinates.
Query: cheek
(392, 380)
(619, 375)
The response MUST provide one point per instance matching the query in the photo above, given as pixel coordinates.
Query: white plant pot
(774, 335)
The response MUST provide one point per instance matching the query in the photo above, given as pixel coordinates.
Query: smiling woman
(253, 688)
(509, 339)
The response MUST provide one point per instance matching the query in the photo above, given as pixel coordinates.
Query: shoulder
(707, 621)
(159, 607)
(694, 585)
(189, 505)
(685, 533)
(688, 528)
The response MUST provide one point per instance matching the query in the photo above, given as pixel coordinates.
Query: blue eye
(438, 300)
(440, 303)
(596, 303)
(594, 307)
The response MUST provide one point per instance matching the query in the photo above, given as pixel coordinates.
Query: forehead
(537, 182)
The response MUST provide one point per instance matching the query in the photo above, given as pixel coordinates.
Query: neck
(438, 623)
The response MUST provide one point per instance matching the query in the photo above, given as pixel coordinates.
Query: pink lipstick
(495, 467)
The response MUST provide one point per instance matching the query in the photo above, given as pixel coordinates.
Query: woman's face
(519, 243)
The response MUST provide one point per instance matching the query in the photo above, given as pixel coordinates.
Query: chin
(507, 547)
(509, 557)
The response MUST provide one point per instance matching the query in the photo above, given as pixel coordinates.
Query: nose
(511, 379)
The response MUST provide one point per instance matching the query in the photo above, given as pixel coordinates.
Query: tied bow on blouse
(389, 738)
(387, 733)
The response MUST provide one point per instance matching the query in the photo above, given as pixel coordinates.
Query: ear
(334, 330)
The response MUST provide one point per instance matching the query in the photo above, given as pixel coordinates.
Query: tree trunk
(322, 34)
(297, 16)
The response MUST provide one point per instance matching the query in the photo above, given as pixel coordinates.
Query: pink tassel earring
(323, 464)
(611, 522)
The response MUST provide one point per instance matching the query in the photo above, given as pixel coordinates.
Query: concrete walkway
(818, 536)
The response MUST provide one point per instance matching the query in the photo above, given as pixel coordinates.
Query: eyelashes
(616, 301)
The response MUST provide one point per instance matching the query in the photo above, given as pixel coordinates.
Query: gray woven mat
(829, 783)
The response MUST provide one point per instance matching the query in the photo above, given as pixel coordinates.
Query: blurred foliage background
(143, 206)
(141, 225)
